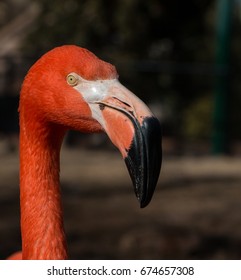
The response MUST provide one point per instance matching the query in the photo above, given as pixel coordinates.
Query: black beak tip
(145, 202)
(144, 159)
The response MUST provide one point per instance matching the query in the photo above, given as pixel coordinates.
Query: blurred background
(183, 59)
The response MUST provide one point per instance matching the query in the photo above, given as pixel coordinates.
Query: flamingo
(70, 88)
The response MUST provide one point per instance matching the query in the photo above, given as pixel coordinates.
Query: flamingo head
(71, 87)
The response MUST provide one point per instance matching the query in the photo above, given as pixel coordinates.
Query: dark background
(182, 58)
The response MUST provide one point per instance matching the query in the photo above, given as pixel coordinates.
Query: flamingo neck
(42, 228)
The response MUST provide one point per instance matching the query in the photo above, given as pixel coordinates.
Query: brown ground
(195, 212)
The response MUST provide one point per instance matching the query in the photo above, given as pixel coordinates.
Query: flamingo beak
(133, 130)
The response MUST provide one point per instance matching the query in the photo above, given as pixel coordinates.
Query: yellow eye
(72, 80)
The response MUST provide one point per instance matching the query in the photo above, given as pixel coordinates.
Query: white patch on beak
(94, 92)
(112, 93)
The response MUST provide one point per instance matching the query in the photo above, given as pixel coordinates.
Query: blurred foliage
(132, 28)
(196, 119)
(164, 50)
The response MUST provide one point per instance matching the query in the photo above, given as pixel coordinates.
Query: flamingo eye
(72, 80)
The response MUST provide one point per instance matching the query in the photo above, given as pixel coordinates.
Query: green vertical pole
(220, 139)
